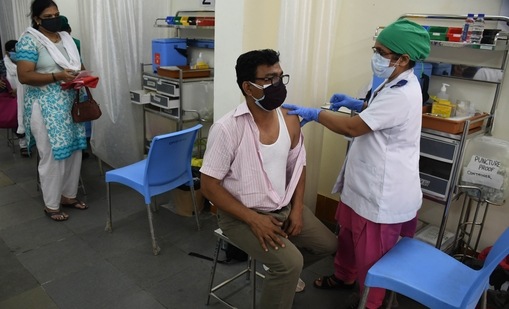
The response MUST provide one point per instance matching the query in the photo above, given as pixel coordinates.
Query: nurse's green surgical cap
(406, 37)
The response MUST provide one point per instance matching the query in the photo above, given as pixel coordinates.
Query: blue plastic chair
(433, 278)
(167, 166)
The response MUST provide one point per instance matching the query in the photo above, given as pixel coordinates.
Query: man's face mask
(381, 66)
(273, 96)
(52, 24)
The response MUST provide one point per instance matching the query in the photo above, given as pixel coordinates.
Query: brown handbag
(87, 110)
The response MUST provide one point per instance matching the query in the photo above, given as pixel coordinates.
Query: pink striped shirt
(233, 156)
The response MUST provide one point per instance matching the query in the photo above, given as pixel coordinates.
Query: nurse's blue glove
(306, 113)
(338, 100)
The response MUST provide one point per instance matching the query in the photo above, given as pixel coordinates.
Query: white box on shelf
(164, 101)
(168, 88)
(149, 82)
(429, 234)
(140, 96)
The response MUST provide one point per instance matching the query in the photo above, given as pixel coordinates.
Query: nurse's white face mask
(381, 66)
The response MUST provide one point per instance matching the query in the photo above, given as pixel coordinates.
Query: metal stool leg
(253, 282)
(213, 270)
(249, 271)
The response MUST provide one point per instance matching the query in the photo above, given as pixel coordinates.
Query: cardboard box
(443, 108)
(182, 202)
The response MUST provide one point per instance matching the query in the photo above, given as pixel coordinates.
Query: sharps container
(168, 52)
(486, 166)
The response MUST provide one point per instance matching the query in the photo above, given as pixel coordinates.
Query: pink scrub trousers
(361, 243)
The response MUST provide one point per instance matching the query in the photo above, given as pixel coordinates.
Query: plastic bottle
(477, 29)
(441, 105)
(462, 108)
(201, 63)
(465, 34)
(443, 95)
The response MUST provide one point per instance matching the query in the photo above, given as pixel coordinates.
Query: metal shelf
(468, 79)
(500, 42)
(497, 46)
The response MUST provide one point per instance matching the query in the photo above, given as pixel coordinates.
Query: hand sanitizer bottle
(443, 95)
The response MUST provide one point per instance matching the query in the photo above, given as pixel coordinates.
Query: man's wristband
(54, 78)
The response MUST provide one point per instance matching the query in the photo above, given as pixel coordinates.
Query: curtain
(119, 29)
(21, 16)
(14, 19)
(6, 22)
(306, 37)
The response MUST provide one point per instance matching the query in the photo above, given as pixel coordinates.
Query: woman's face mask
(52, 24)
(381, 66)
(273, 96)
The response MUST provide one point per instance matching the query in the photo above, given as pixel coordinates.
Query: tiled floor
(76, 264)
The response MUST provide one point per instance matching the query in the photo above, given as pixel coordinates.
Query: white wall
(68, 9)
(239, 29)
(228, 46)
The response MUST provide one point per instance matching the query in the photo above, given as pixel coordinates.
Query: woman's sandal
(75, 204)
(56, 215)
(331, 282)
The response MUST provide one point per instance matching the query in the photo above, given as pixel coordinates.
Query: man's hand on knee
(268, 230)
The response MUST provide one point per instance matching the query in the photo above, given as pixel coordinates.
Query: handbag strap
(89, 94)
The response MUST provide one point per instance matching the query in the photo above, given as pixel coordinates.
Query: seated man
(254, 172)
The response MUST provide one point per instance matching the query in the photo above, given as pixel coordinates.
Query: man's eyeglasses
(275, 80)
(377, 50)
